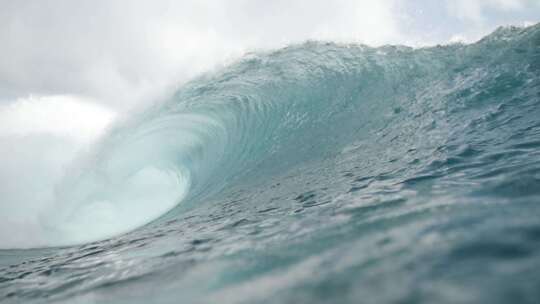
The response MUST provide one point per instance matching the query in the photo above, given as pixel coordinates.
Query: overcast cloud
(119, 52)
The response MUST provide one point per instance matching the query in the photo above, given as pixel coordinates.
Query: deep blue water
(316, 173)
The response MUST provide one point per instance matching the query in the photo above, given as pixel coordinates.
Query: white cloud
(76, 118)
(476, 10)
(477, 18)
(373, 23)
(120, 52)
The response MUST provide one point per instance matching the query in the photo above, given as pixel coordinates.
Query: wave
(419, 115)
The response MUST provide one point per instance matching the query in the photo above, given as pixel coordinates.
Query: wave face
(312, 173)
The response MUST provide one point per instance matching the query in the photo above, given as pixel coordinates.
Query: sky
(121, 53)
(70, 69)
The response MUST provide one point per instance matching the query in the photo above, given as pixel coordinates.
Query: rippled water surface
(324, 173)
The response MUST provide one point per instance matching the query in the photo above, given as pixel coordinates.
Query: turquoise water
(316, 173)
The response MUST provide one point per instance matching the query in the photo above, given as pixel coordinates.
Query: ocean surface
(316, 173)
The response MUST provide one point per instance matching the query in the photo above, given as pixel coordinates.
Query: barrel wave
(316, 171)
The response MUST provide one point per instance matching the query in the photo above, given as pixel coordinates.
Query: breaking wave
(400, 158)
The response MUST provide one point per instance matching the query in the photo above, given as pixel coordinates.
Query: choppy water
(317, 173)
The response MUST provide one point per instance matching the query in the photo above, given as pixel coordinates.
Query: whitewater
(315, 173)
